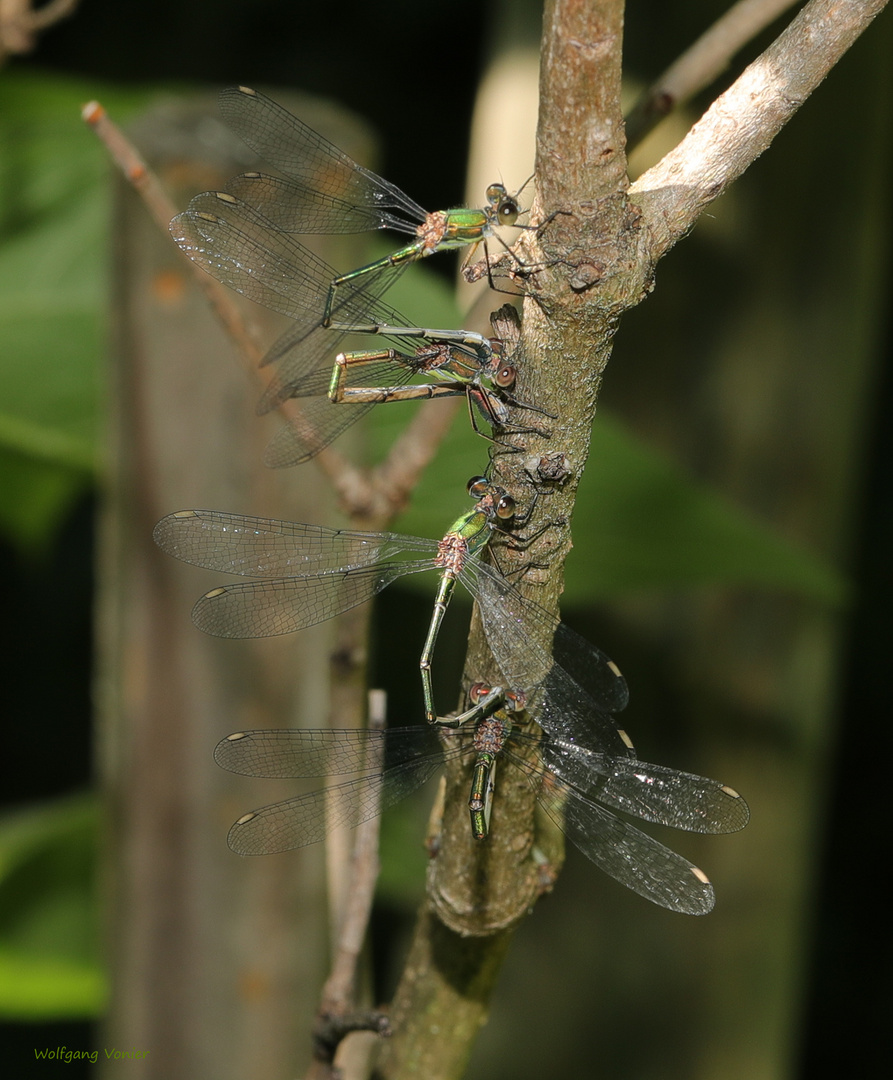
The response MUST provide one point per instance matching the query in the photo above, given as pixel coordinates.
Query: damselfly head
(503, 373)
(503, 506)
(504, 206)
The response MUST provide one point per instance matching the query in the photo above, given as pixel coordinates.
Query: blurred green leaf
(423, 294)
(49, 917)
(640, 522)
(37, 989)
(53, 284)
(34, 496)
(402, 851)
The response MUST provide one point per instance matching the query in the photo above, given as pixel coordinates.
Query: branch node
(330, 1028)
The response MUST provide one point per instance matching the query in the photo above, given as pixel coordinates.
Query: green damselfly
(309, 574)
(325, 191)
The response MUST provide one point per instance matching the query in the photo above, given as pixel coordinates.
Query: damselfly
(309, 574)
(325, 191)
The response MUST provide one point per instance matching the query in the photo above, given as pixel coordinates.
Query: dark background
(411, 70)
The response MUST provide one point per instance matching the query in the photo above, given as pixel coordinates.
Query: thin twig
(149, 188)
(339, 990)
(337, 1015)
(700, 64)
(744, 120)
(151, 191)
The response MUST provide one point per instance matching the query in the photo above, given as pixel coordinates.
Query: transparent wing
(583, 663)
(625, 853)
(652, 792)
(296, 208)
(278, 753)
(328, 192)
(329, 570)
(307, 819)
(571, 693)
(266, 547)
(320, 422)
(240, 248)
(304, 357)
(528, 642)
(268, 608)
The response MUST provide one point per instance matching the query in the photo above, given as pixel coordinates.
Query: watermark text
(62, 1053)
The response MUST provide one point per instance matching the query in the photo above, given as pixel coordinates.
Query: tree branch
(478, 893)
(592, 261)
(744, 120)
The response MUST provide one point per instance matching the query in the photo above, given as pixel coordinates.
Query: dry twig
(699, 65)
(743, 121)
(338, 1015)
(21, 22)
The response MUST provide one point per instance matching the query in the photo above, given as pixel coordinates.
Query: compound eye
(505, 508)
(496, 193)
(477, 487)
(515, 701)
(505, 376)
(477, 692)
(508, 210)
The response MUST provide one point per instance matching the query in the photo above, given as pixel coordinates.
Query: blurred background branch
(700, 64)
(21, 22)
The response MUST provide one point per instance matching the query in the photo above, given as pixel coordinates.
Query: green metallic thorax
(463, 227)
(473, 527)
(460, 367)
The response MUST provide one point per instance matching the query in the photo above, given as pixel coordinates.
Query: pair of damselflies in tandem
(245, 237)
(309, 574)
(577, 783)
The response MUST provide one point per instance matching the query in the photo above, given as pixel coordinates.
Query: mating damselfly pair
(246, 238)
(304, 574)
